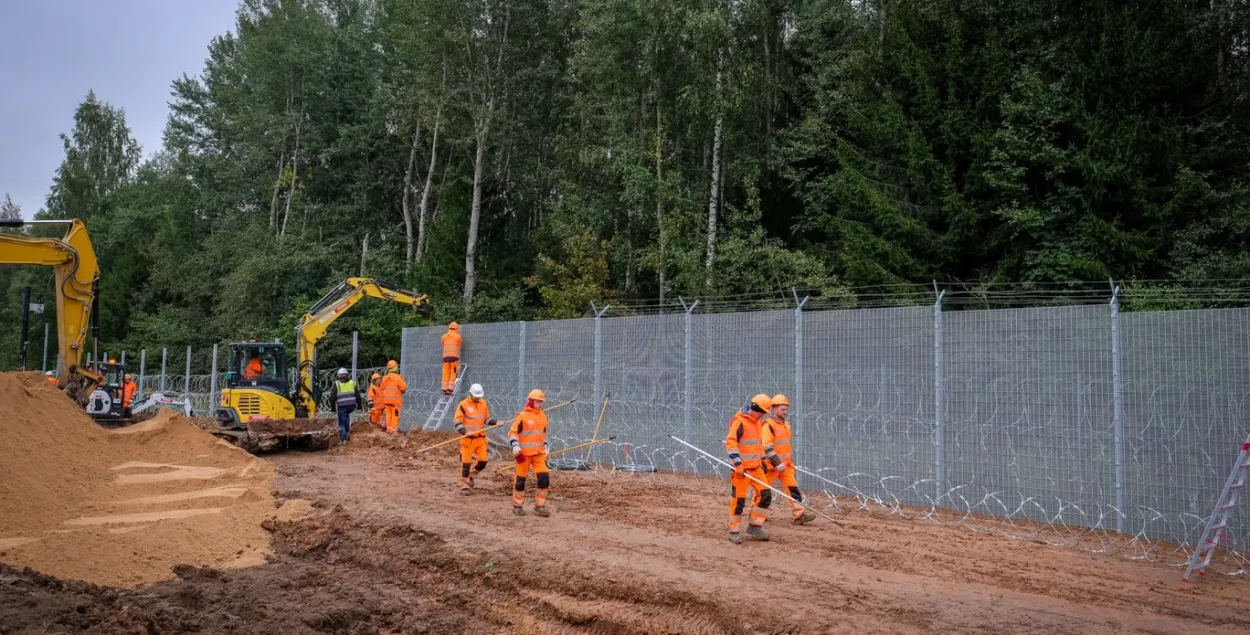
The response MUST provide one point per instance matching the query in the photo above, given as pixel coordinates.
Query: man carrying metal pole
(779, 449)
(745, 446)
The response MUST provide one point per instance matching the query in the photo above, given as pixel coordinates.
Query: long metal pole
(939, 423)
(164, 363)
(143, 364)
(355, 352)
(688, 415)
(212, 385)
(520, 375)
(757, 481)
(45, 345)
(599, 350)
(123, 358)
(186, 393)
(797, 407)
(1117, 396)
(25, 324)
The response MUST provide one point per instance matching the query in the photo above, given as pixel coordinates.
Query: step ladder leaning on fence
(444, 404)
(1214, 532)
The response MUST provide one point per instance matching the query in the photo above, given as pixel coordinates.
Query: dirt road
(394, 548)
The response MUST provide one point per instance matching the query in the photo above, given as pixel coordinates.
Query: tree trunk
(277, 187)
(713, 205)
(475, 212)
(428, 189)
(407, 207)
(286, 218)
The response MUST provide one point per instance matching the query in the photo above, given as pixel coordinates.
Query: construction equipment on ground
(258, 409)
(77, 280)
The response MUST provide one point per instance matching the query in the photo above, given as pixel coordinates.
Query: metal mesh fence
(1076, 425)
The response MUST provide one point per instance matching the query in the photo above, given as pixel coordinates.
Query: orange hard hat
(763, 402)
(537, 395)
(455, 326)
(780, 400)
(392, 365)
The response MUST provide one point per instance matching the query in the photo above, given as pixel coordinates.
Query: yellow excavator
(77, 274)
(257, 410)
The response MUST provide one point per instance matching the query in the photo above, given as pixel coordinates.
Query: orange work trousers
(523, 464)
(375, 414)
(450, 371)
(390, 414)
(471, 449)
(783, 479)
(759, 505)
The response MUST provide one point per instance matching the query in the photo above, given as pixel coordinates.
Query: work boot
(756, 533)
(542, 511)
(805, 518)
(735, 537)
(465, 491)
(519, 511)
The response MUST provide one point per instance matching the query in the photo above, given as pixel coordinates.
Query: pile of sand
(122, 507)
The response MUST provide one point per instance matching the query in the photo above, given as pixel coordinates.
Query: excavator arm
(313, 326)
(77, 275)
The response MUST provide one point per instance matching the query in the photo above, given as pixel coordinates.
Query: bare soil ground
(392, 547)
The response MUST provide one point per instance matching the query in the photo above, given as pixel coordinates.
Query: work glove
(516, 451)
(461, 430)
(775, 460)
(371, 404)
(492, 422)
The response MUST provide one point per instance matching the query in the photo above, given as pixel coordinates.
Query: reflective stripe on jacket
(472, 415)
(743, 440)
(776, 434)
(346, 394)
(393, 387)
(529, 430)
(451, 346)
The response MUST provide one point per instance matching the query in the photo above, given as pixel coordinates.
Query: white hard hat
(51, 373)
(341, 372)
(476, 390)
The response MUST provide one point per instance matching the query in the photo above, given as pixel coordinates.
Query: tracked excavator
(258, 410)
(77, 274)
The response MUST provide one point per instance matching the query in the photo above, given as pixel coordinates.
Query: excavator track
(289, 434)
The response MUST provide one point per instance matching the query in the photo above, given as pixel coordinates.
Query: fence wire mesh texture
(1078, 425)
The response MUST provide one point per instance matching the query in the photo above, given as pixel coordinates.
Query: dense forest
(521, 158)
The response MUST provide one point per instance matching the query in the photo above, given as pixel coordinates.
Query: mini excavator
(258, 410)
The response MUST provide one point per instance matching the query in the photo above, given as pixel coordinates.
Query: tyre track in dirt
(881, 574)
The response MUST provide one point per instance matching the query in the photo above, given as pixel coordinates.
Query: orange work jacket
(744, 440)
(393, 388)
(529, 430)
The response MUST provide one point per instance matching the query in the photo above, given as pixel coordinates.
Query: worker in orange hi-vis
(51, 375)
(471, 419)
(779, 450)
(129, 389)
(528, 437)
(254, 369)
(393, 389)
(451, 357)
(374, 399)
(745, 446)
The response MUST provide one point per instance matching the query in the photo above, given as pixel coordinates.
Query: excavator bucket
(282, 434)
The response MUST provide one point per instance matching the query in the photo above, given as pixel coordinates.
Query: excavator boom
(77, 275)
(313, 326)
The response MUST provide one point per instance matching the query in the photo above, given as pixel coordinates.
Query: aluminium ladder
(1213, 534)
(444, 404)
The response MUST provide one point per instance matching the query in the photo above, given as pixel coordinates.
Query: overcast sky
(128, 51)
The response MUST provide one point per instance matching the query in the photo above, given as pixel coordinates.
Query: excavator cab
(256, 385)
(105, 403)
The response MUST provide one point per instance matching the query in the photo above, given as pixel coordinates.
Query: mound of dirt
(122, 507)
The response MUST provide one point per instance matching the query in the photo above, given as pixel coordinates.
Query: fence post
(599, 351)
(186, 393)
(1117, 398)
(520, 373)
(688, 414)
(143, 362)
(123, 358)
(164, 360)
(796, 408)
(939, 428)
(355, 352)
(212, 385)
(45, 346)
